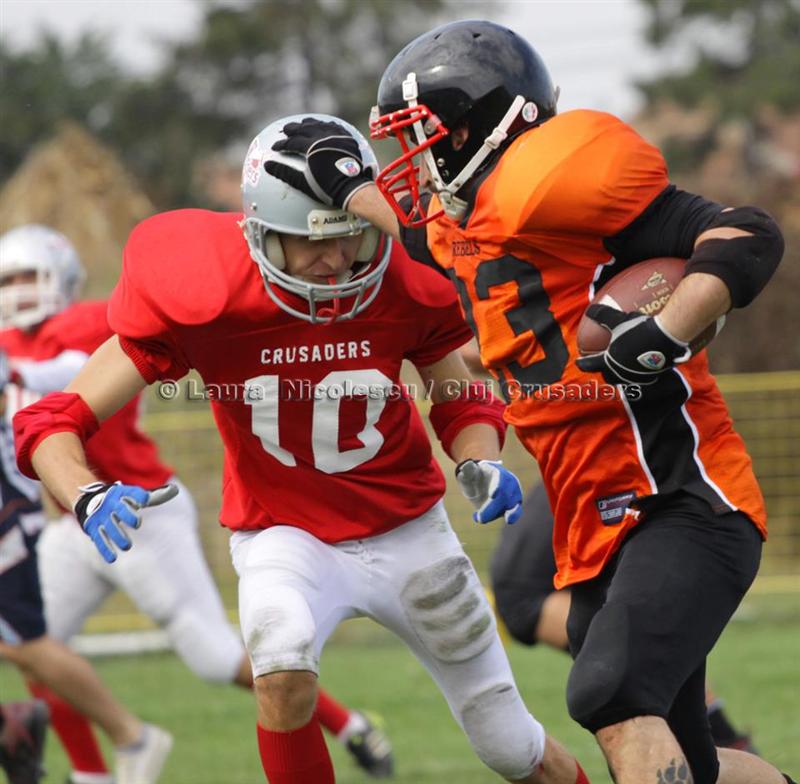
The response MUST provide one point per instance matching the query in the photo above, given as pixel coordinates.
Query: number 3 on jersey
(533, 316)
(262, 393)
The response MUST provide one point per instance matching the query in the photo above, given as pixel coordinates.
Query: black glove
(639, 349)
(334, 170)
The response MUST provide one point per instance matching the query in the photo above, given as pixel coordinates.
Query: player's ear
(274, 250)
(370, 241)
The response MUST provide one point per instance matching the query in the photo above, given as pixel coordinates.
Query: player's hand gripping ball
(619, 334)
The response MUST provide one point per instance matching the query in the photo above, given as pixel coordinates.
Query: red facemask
(401, 178)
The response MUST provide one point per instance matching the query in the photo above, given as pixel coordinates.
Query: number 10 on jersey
(263, 395)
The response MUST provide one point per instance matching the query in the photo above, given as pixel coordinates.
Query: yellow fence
(766, 411)
(765, 408)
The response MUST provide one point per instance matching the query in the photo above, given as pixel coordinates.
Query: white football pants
(415, 580)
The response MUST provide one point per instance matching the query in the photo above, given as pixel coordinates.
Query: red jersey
(119, 450)
(525, 260)
(317, 431)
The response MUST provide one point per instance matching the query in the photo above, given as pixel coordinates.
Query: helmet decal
(253, 163)
(530, 112)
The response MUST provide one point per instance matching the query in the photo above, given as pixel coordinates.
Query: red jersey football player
(329, 483)
(658, 517)
(49, 336)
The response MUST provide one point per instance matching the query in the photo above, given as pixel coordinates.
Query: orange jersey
(525, 260)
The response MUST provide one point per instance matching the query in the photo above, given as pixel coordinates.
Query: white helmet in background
(272, 207)
(56, 281)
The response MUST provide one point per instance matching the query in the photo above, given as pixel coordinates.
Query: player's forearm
(471, 355)
(49, 435)
(368, 203)
(699, 300)
(476, 442)
(468, 422)
(732, 261)
(60, 462)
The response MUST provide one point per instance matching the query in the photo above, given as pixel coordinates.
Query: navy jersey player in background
(141, 749)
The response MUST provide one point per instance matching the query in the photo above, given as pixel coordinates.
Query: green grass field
(756, 668)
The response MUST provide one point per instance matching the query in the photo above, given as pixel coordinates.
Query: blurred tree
(745, 53)
(728, 124)
(48, 83)
(252, 60)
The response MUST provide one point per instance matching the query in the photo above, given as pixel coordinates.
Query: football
(646, 287)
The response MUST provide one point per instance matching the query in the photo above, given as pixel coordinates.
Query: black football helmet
(471, 73)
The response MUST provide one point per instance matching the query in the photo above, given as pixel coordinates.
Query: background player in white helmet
(49, 336)
(41, 275)
(329, 486)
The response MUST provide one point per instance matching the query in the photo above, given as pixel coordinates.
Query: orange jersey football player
(659, 520)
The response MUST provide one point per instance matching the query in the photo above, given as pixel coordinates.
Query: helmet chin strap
(331, 314)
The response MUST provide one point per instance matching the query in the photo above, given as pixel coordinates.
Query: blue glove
(491, 489)
(103, 510)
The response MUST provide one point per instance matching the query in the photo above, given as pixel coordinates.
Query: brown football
(645, 287)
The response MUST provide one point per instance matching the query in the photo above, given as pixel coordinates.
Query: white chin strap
(453, 206)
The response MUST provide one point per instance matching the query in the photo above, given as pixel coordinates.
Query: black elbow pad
(744, 264)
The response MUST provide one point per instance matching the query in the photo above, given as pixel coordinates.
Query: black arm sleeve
(415, 241)
(746, 263)
(669, 226)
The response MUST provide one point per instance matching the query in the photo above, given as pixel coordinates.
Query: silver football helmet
(56, 282)
(271, 207)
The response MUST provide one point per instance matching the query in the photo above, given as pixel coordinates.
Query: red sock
(74, 731)
(296, 757)
(582, 778)
(332, 715)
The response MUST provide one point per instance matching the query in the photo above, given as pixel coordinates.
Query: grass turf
(755, 669)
